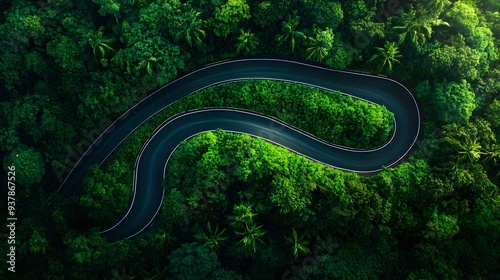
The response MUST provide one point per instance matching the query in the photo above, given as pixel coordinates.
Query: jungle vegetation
(252, 210)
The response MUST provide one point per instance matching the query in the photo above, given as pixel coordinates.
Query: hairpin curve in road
(151, 162)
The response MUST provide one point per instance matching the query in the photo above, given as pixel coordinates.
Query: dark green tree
(290, 32)
(109, 7)
(188, 27)
(320, 46)
(213, 237)
(415, 27)
(28, 163)
(247, 42)
(192, 261)
(251, 235)
(99, 43)
(387, 56)
(455, 102)
(299, 245)
(229, 16)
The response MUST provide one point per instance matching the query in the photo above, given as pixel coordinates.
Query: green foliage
(470, 142)
(212, 238)
(247, 42)
(463, 17)
(298, 244)
(363, 21)
(431, 263)
(66, 66)
(493, 21)
(349, 262)
(455, 100)
(193, 261)
(101, 191)
(343, 200)
(268, 13)
(98, 43)
(456, 61)
(338, 57)
(11, 70)
(111, 7)
(416, 27)
(325, 14)
(29, 165)
(493, 112)
(481, 38)
(441, 227)
(245, 226)
(147, 52)
(290, 32)
(469, 150)
(38, 243)
(188, 27)
(90, 252)
(228, 16)
(386, 56)
(331, 14)
(8, 139)
(242, 215)
(437, 6)
(159, 15)
(250, 235)
(22, 25)
(289, 195)
(66, 52)
(320, 45)
(103, 100)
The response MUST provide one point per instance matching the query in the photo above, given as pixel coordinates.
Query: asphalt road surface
(152, 161)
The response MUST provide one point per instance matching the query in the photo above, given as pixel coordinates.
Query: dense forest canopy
(68, 68)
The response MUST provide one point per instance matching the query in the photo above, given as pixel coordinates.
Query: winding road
(151, 163)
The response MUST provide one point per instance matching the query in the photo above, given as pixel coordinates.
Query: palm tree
(290, 32)
(148, 64)
(251, 234)
(318, 49)
(245, 226)
(386, 56)
(417, 26)
(469, 150)
(247, 42)
(190, 29)
(162, 240)
(299, 245)
(98, 43)
(213, 238)
(242, 215)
